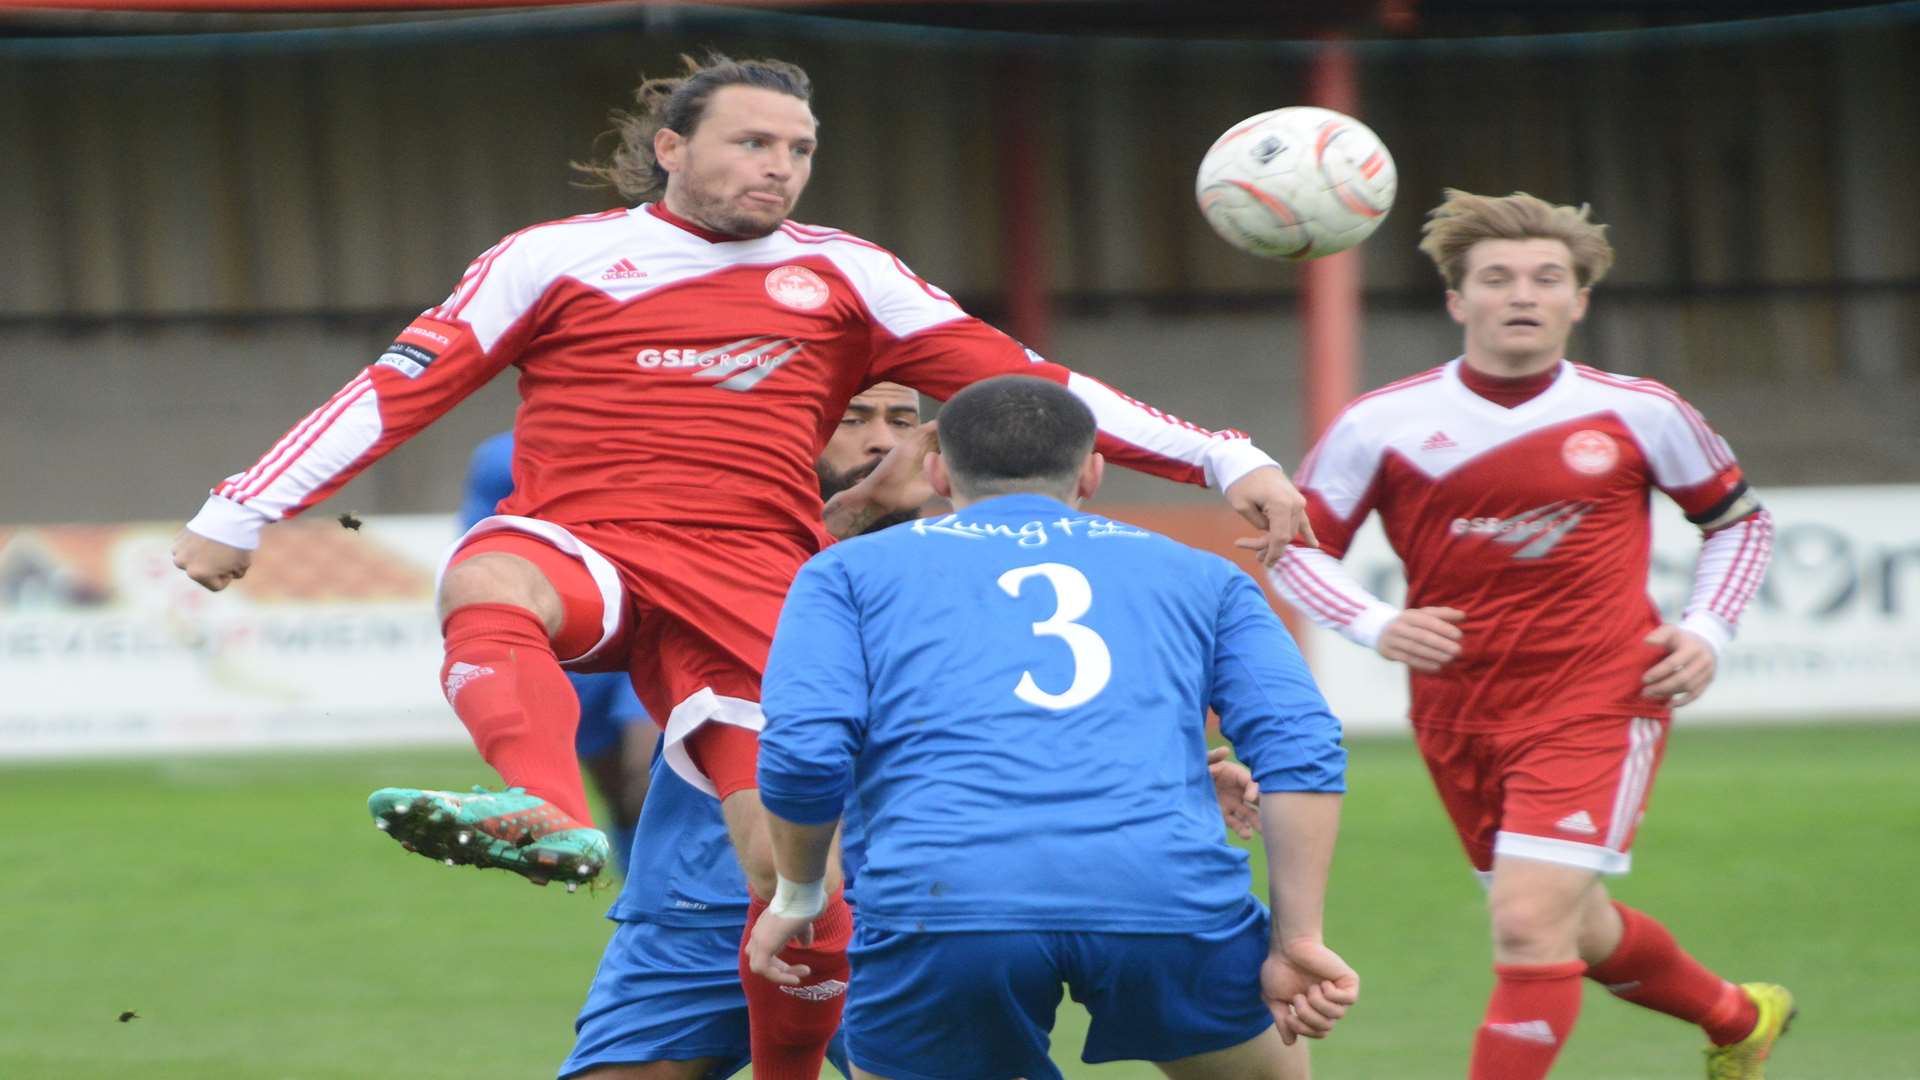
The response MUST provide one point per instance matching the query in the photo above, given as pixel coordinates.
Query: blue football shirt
(1016, 694)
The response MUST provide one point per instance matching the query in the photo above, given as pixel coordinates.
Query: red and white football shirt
(1534, 520)
(675, 376)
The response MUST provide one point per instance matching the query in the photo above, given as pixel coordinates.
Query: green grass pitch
(245, 908)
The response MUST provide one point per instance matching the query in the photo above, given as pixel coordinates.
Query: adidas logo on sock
(824, 991)
(460, 674)
(1533, 1031)
(1577, 822)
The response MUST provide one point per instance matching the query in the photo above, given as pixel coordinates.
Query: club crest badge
(796, 287)
(1590, 452)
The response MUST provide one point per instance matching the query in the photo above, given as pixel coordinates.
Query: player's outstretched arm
(212, 564)
(1306, 985)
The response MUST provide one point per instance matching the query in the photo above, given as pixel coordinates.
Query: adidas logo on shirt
(1439, 441)
(622, 271)
(1577, 822)
(1533, 1031)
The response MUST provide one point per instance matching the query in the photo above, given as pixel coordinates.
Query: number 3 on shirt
(1092, 662)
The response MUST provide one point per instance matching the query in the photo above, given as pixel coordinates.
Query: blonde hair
(680, 104)
(1465, 219)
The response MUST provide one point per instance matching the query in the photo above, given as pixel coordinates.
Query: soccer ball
(1296, 183)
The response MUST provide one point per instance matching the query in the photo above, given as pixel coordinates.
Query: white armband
(798, 900)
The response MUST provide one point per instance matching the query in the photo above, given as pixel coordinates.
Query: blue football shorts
(607, 706)
(668, 993)
(979, 1006)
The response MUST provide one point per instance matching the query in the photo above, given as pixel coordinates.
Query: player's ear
(936, 469)
(1091, 473)
(1580, 302)
(667, 145)
(1454, 307)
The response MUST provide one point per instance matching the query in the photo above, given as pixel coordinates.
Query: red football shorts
(1570, 792)
(692, 614)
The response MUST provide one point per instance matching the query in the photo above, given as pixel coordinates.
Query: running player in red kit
(682, 363)
(1514, 486)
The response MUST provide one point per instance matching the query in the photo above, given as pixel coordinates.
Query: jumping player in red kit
(681, 364)
(1514, 485)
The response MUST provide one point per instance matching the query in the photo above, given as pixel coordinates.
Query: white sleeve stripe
(290, 444)
(1732, 563)
(1750, 574)
(1709, 443)
(338, 447)
(472, 287)
(1311, 585)
(1311, 593)
(1747, 539)
(1144, 426)
(294, 460)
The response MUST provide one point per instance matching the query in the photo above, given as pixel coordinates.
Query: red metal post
(1330, 286)
(1025, 258)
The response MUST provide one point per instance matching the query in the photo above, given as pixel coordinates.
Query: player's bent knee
(1535, 928)
(499, 578)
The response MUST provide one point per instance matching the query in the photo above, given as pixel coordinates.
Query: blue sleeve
(489, 478)
(1269, 706)
(814, 696)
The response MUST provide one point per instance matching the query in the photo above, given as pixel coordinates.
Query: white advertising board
(330, 640)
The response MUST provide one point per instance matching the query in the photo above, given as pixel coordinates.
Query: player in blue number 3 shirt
(1016, 696)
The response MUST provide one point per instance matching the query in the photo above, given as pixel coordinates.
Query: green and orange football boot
(506, 830)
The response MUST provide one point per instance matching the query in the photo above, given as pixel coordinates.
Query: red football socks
(503, 681)
(1649, 968)
(789, 1026)
(1528, 1020)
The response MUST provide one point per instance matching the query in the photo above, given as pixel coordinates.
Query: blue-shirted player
(1015, 695)
(615, 739)
(666, 1003)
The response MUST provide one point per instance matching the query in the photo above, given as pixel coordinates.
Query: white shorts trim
(613, 596)
(1565, 852)
(1636, 772)
(703, 706)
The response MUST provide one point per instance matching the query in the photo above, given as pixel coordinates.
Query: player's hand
(211, 563)
(771, 934)
(1239, 796)
(1687, 669)
(1425, 639)
(1308, 988)
(1268, 499)
(897, 484)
